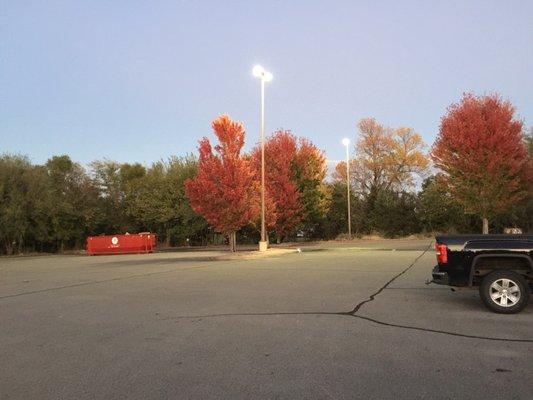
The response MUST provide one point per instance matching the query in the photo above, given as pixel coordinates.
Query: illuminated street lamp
(265, 76)
(346, 143)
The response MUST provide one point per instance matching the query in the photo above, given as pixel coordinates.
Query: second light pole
(346, 143)
(265, 76)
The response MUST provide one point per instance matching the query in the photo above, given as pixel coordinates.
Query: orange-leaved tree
(387, 158)
(284, 210)
(225, 190)
(481, 151)
(339, 173)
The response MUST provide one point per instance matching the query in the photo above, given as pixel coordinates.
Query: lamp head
(346, 141)
(259, 72)
(267, 77)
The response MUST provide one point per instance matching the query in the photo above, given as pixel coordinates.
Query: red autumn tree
(225, 189)
(271, 215)
(481, 151)
(282, 197)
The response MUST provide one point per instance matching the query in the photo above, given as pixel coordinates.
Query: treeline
(431, 210)
(55, 206)
(385, 199)
(477, 175)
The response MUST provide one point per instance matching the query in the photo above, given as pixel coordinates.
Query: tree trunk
(485, 226)
(9, 247)
(278, 238)
(232, 242)
(167, 239)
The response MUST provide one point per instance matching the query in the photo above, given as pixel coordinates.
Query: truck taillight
(442, 253)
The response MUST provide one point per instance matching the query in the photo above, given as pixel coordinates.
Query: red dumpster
(144, 242)
(151, 236)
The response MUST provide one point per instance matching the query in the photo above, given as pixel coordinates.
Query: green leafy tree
(160, 204)
(21, 188)
(309, 171)
(336, 221)
(107, 178)
(438, 211)
(70, 202)
(394, 214)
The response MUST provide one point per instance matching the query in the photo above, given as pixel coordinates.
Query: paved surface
(318, 324)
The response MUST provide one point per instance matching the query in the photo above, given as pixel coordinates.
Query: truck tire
(504, 292)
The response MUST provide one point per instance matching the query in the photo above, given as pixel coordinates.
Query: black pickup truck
(500, 265)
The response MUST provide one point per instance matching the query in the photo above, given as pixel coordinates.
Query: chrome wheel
(505, 292)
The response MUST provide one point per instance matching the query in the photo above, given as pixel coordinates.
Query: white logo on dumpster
(114, 240)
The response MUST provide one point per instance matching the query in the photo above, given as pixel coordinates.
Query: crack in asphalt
(381, 289)
(353, 313)
(416, 328)
(258, 314)
(345, 314)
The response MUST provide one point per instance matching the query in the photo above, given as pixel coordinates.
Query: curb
(255, 254)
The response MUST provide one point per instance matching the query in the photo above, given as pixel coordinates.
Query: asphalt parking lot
(337, 322)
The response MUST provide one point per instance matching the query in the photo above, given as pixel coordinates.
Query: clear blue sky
(140, 81)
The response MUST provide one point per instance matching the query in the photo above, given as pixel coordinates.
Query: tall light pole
(346, 143)
(265, 76)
